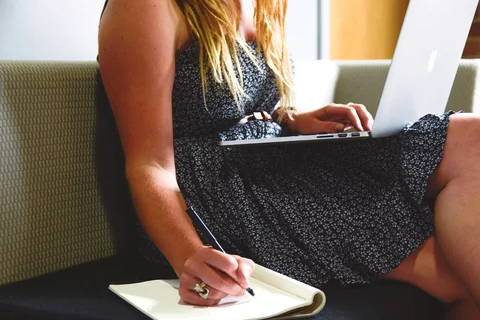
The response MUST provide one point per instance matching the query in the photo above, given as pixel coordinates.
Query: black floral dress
(317, 212)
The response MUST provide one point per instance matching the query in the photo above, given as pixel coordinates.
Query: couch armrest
(363, 81)
(51, 210)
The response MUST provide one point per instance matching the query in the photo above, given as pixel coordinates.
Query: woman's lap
(318, 213)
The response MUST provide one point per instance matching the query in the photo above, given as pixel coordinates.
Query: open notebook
(276, 296)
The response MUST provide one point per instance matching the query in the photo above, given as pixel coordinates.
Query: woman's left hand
(331, 118)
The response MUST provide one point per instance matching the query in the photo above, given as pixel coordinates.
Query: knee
(461, 154)
(428, 269)
(463, 134)
(453, 294)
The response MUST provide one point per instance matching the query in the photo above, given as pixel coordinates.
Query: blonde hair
(214, 24)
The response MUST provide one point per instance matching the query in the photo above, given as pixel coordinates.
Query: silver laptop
(421, 74)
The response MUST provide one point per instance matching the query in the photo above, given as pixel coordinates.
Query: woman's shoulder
(145, 14)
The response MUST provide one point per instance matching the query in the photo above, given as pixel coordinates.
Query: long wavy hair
(214, 24)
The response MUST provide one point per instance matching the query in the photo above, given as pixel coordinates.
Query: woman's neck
(246, 25)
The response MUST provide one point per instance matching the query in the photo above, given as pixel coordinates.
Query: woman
(181, 75)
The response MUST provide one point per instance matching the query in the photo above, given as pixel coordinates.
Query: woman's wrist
(285, 116)
(178, 261)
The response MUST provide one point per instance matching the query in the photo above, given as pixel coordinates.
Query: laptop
(421, 73)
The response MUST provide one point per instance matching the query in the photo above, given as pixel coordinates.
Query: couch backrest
(325, 81)
(63, 194)
(51, 211)
(364, 80)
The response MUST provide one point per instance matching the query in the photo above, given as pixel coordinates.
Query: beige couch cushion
(321, 82)
(51, 212)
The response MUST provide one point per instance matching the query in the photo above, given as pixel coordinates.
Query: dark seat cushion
(82, 292)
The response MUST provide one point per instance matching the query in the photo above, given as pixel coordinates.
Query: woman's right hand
(222, 273)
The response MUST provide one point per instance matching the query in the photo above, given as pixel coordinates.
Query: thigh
(461, 154)
(427, 269)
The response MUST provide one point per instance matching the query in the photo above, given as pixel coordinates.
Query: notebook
(421, 73)
(276, 295)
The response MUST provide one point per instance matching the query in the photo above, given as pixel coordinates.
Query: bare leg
(448, 267)
(457, 208)
(463, 309)
(427, 269)
(458, 230)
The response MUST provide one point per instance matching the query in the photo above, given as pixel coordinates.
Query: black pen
(199, 224)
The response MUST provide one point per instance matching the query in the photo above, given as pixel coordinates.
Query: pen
(199, 224)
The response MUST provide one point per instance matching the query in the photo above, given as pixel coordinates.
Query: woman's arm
(327, 119)
(137, 45)
(138, 41)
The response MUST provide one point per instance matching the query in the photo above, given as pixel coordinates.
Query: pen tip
(249, 290)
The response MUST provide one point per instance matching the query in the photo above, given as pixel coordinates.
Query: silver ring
(201, 290)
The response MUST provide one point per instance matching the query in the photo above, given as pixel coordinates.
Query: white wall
(324, 25)
(49, 29)
(67, 29)
(303, 29)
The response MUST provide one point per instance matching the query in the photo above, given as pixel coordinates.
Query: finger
(188, 282)
(347, 125)
(221, 281)
(217, 269)
(364, 115)
(329, 126)
(219, 260)
(244, 271)
(266, 116)
(351, 114)
(192, 297)
(336, 111)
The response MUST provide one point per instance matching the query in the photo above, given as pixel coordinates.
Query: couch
(66, 218)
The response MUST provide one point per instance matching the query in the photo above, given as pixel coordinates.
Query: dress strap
(104, 7)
